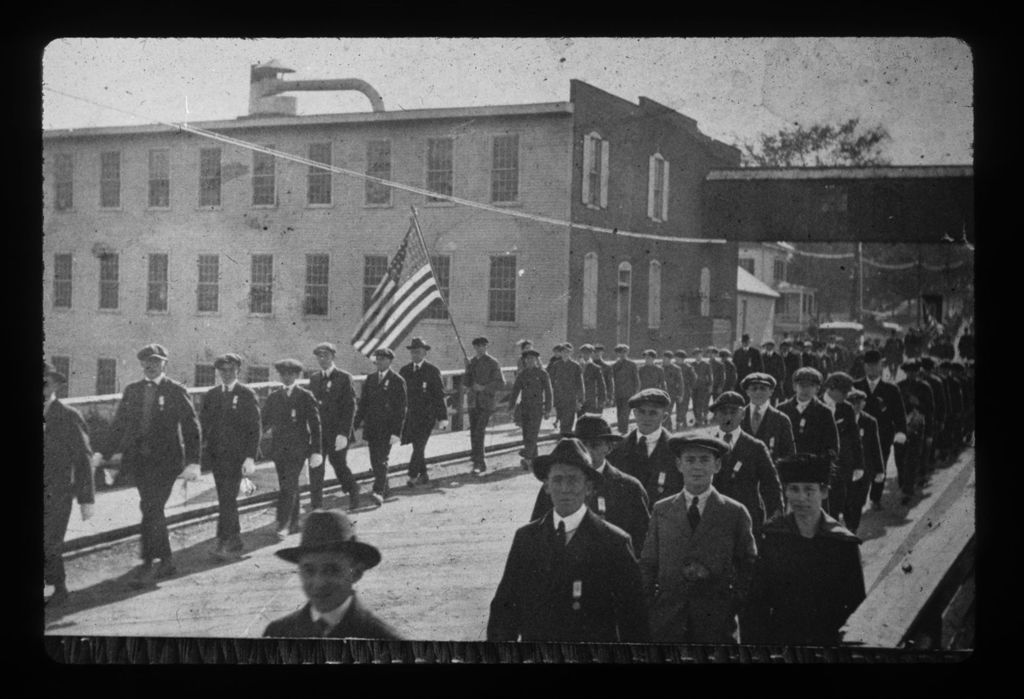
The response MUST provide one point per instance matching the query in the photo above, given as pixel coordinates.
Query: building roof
(789, 286)
(747, 283)
(840, 173)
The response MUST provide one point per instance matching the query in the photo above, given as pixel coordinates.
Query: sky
(919, 89)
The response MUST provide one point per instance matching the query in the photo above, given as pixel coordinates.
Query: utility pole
(857, 302)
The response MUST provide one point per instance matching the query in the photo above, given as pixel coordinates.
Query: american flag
(399, 300)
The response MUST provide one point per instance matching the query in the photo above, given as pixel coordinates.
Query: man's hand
(95, 460)
(858, 473)
(191, 472)
(899, 438)
(340, 442)
(879, 478)
(110, 475)
(248, 466)
(116, 458)
(394, 441)
(315, 460)
(443, 425)
(86, 508)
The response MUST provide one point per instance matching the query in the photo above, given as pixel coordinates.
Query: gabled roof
(747, 283)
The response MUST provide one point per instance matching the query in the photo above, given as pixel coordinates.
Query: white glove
(340, 442)
(246, 487)
(110, 475)
(443, 425)
(191, 472)
(248, 466)
(316, 461)
(394, 441)
(95, 460)
(899, 438)
(86, 509)
(880, 478)
(858, 473)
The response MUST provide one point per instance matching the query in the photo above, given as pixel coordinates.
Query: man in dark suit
(673, 385)
(618, 498)
(595, 393)
(689, 380)
(483, 381)
(814, 428)
(701, 388)
(774, 366)
(644, 453)
(884, 403)
(747, 360)
(762, 421)
(651, 375)
(570, 575)
(153, 419)
(230, 421)
(336, 401)
(748, 473)
(425, 407)
(730, 382)
(808, 358)
(849, 476)
(567, 383)
(792, 360)
(717, 372)
(68, 463)
(532, 388)
(381, 415)
(627, 382)
(873, 464)
(606, 372)
(293, 419)
(935, 444)
(920, 404)
(331, 561)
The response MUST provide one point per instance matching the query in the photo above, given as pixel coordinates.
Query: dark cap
(910, 365)
(650, 353)
(807, 374)
(711, 348)
(599, 347)
(567, 346)
(758, 377)
(530, 353)
(872, 356)
(856, 395)
(621, 348)
(330, 530)
(745, 338)
(681, 354)
(768, 343)
(668, 353)
(384, 352)
(839, 380)
(225, 359)
(927, 363)
(523, 342)
(677, 443)
(153, 350)
(729, 399)
(477, 341)
(804, 468)
(417, 343)
(654, 396)
(724, 354)
(324, 347)
(288, 365)
(569, 451)
(587, 348)
(785, 343)
(558, 348)
(592, 426)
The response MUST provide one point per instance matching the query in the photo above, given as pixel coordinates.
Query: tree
(818, 145)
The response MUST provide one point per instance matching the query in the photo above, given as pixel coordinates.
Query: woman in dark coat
(808, 578)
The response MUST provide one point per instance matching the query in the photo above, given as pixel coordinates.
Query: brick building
(152, 234)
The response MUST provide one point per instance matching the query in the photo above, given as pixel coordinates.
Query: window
(657, 188)
(442, 265)
(781, 304)
(209, 177)
(160, 178)
(590, 290)
(705, 291)
(654, 295)
(261, 290)
(779, 269)
(63, 365)
(624, 302)
(378, 164)
(106, 376)
(595, 170)
(64, 192)
(208, 289)
(263, 184)
(808, 303)
(505, 168)
(439, 166)
(747, 263)
(374, 269)
(205, 375)
(62, 281)
(318, 181)
(317, 273)
(110, 179)
(156, 297)
(257, 374)
(109, 280)
(501, 302)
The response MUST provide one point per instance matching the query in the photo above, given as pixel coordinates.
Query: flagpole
(448, 310)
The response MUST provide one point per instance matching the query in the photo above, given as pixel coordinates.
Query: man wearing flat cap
(626, 376)
(814, 428)
(871, 448)
(331, 561)
(381, 415)
(570, 575)
(717, 372)
(701, 387)
(483, 380)
(644, 453)
(699, 554)
(935, 441)
(774, 366)
(849, 474)
(808, 577)
(920, 404)
(689, 381)
(293, 419)
(532, 389)
(68, 463)
(651, 375)
(673, 386)
(594, 391)
(883, 402)
(336, 401)
(761, 420)
(747, 359)
(731, 382)
(425, 407)
(793, 360)
(608, 375)
(567, 383)
(231, 428)
(522, 346)
(156, 433)
(617, 497)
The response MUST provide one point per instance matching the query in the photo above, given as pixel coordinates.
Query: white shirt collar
(572, 521)
(652, 438)
(49, 401)
(329, 370)
(230, 386)
(417, 365)
(734, 434)
(333, 617)
(874, 382)
(158, 379)
(802, 405)
(600, 469)
(702, 499)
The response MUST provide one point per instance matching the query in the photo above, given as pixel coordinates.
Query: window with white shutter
(654, 295)
(657, 188)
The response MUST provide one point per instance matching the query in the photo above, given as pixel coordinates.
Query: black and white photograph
(606, 340)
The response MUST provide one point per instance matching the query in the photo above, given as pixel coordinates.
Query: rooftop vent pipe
(265, 86)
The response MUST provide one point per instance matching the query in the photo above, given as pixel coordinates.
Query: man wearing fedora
(331, 561)
(644, 453)
(617, 497)
(155, 433)
(567, 383)
(570, 575)
(762, 421)
(747, 360)
(425, 407)
(483, 380)
(292, 417)
(883, 402)
(230, 420)
(68, 463)
(699, 554)
(774, 366)
(626, 375)
(849, 475)
(532, 388)
(594, 390)
(381, 414)
(336, 401)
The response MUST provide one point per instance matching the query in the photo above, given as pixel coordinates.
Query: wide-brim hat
(804, 468)
(677, 443)
(807, 374)
(152, 350)
(591, 426)
(872, 357)
(569, 451)
(654, 396)
(288, 365)
(330, 530)
(417, 343)
(49, 371)
(384, 352)
(325, 347)
(228, 358)
(758, 377)
(729, 399)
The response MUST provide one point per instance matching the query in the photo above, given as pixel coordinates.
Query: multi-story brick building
(153, 234)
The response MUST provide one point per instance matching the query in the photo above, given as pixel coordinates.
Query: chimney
(264, 86)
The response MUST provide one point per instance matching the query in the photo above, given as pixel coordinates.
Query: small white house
(755, 307)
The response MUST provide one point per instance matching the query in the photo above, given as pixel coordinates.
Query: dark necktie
(755, 420)
(641, 443)
(322, 627)
(728, 438)
(693, 514)
(148, 397)
(560, 534)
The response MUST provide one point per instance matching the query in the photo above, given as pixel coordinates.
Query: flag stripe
(390, 306)
(403, 312)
